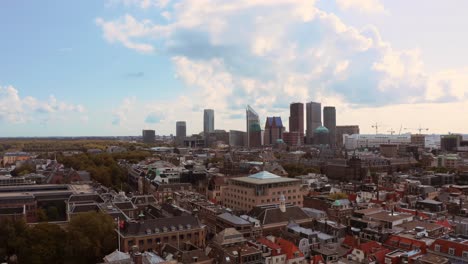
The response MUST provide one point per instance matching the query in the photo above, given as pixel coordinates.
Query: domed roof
(321, 130)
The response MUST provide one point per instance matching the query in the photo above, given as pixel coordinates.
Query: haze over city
(115, 67)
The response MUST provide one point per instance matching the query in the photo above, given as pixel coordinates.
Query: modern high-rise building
(149, 136)
(296, 121)
(237, 138)
(208, 121)
(313, 120)
(254, 130)
(181, 132)
(274, 130)
(296, 117)
(329, 121)
(345, 130)
(450, 142)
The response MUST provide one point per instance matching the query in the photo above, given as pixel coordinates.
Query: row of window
(158, 240)
(451, 251)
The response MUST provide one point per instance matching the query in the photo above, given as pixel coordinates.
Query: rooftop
(264, 177)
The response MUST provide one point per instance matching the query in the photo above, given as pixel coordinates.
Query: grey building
(237, 138)
(208, 121)
(181, 132)
(313, 119)
(329, 121)
(149, 136)
(254, 131)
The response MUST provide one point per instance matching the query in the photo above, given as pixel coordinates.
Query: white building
(374, 140)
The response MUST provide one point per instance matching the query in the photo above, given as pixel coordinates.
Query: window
(437, 248)
(465, 254)
(451, 251)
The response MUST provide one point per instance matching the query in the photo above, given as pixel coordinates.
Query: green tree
(43, 244)
(91, 236)
(11, 237)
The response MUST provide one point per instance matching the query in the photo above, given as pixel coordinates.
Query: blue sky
(114, 67)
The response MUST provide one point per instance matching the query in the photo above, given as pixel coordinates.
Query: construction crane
(391, 131)
(401, 127)
(420, 129)
(376, 126)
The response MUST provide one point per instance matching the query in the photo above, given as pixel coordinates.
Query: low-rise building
(263, 188)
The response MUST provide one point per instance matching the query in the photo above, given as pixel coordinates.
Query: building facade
(208, 121)
(450, 142)
(149, 136)
(254, 130)
(329, 121)
(274, 130)
(313, 119)
(244, 193)
(181, 132)
(296, 120)
(150, 234)
(374, 141)
(345, 130)
(237, 138)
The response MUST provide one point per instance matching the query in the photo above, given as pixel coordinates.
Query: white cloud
(269, 53)
(125, 30)
(363, 6)
(15, 109)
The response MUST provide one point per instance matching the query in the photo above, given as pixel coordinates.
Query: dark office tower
(273, 130)
(181, 132)
(329, 121)
(208, 121)
(149, 136)
(296, 117)
(296, 122)
(313, 120)
(254, 131)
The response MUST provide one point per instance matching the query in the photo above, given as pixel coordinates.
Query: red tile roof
(289, 248)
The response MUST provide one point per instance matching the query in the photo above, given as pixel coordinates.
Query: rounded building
(321, 136)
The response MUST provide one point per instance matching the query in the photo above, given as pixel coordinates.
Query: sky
(115, 67)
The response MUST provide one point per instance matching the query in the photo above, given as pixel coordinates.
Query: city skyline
(116, 67)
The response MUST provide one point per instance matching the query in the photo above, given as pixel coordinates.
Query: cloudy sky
(114, 67)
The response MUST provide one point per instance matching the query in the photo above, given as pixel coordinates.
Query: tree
(43, 244)
(23, 170)
(11, 237)
(52, 213)
(41, 215)
(91, 236)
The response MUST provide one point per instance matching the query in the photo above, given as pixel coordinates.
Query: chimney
(137, 258)
(282, 203)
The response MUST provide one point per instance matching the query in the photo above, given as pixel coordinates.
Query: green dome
(321, 130)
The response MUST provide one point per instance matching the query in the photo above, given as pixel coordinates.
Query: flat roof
(264, 181)
(388, 216)
(264, 177)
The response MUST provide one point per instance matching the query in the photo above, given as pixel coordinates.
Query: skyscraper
(329, 121)
(181, 132)
(208, 121)
(296, 124)
(313, 119)
(254, 131)
(274, 130)
(149, 136)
